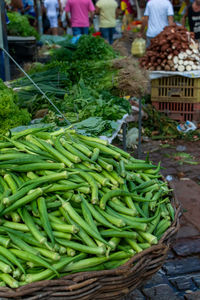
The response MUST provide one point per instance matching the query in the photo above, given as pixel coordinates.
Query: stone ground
(179, 278)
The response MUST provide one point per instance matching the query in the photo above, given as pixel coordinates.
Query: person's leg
(46, 24)
(105, 33)
(148, 41)
(54, 30)
(53, 25)
(76, 31)
(111, 33)
(84, 30)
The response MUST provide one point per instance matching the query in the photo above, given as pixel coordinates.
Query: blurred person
(29, 9)
(16, 5)
(107, 11)
(63, 4)
(53, 8)
(126, 8)
(188, 2)
(63, 14)
(157, 15)
(193, 14)
(77, 15)
(45, 21)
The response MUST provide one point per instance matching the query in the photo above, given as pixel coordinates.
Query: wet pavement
(179, 278)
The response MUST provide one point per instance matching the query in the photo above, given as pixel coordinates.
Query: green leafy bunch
(65, 52)
(159, 122)
(96, 126)
(20, 26)
(93, 48)
(10, 114)
(88, 48)
(97, 74)
(87, 102)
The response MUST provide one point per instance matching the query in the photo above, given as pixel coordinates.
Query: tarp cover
(160, 74)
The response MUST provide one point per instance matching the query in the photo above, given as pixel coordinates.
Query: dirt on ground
(179, 159)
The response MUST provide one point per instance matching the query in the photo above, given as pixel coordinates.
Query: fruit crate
(175, 89)
(179, 111)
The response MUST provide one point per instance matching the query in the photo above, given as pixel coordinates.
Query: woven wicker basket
(100, 285)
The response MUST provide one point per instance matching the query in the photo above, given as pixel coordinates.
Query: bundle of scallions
(51, 82)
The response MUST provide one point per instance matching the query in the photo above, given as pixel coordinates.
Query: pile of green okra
(72, 203)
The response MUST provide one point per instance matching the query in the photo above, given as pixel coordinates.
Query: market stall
(174, 63)
(22, 41)
(61, 184)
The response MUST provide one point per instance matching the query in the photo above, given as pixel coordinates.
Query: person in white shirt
(52, 11)
(157, 15)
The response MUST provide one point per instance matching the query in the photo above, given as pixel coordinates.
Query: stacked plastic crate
(177, 96)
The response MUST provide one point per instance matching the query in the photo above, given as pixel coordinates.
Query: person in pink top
(78, 12)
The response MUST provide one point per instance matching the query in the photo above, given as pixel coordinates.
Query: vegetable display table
(22, 47)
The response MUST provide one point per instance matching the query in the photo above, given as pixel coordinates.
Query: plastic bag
(138, 47)
(75, 39)
(132, 137)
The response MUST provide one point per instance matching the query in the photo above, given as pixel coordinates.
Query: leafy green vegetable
(93, 48)
(51, 81)
(90, 60)
(86, 67)
(86, 102)
(96, 126)
(87, 48)
(20, 26)
(10, 114)
(80, 79)
(159, 122)
(64, 53)
(96, 74)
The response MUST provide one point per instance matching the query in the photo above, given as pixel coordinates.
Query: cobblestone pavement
(179, 278)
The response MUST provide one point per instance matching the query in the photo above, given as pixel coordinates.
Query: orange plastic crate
(179, 111)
